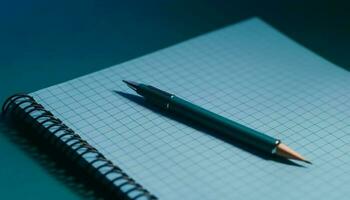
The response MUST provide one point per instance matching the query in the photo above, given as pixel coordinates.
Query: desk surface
(47, 42)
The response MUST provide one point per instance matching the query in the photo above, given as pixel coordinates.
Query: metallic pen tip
(131, 84)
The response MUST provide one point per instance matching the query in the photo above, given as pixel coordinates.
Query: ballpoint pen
(223, 126)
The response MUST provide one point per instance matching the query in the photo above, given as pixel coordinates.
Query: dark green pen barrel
(155, 95)
(222, 125)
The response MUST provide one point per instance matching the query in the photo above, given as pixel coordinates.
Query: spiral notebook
(248, 72)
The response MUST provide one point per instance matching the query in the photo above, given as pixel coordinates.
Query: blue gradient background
(47, 42)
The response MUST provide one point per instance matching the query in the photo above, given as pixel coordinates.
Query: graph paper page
(248, 72)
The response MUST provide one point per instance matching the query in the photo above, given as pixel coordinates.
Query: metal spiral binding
(21, 106)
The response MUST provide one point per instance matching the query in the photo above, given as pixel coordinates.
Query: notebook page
(248, 72)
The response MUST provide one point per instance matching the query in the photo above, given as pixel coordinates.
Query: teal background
(48, 42)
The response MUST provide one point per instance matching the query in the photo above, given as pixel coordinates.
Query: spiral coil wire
(24, 108)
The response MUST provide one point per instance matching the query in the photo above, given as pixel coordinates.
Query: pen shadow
(142, 102)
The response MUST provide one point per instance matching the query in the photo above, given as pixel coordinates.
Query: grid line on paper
(249, 73)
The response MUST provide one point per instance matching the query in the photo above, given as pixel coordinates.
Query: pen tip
(285, 151)
(308, 162)
(131, 84)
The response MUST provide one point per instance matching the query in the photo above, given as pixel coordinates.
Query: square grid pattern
(248, 72)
